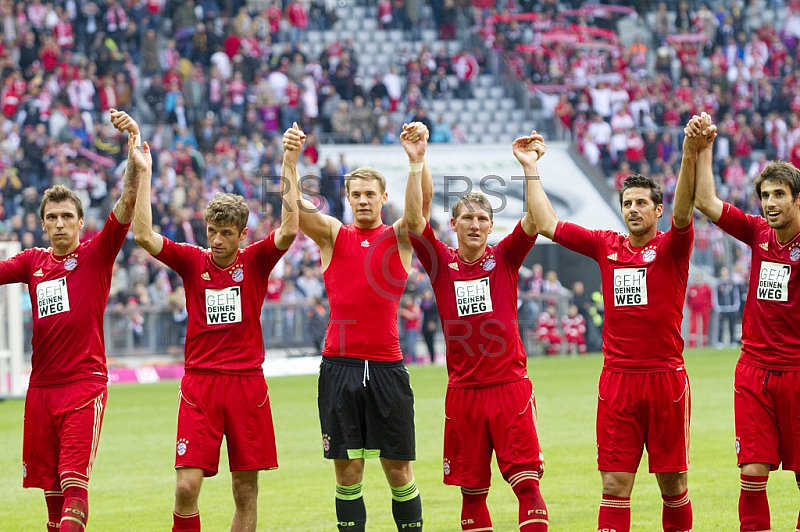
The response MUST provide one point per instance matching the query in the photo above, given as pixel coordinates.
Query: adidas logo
(38, 273)
(453, 265)
(613, 256)
(365, 243)
(764, 246)
(204, 276)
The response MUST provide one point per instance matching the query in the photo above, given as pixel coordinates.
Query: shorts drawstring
(766, 378)
(366, 373)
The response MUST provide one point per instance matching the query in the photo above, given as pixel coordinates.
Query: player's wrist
(415, 166)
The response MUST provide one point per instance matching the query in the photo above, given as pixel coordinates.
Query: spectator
(699, 301)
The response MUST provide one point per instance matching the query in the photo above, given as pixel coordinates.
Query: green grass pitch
(132, 482)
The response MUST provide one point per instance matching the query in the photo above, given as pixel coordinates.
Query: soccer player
(69, 285)
(490, 403)
(767, 380)
(366, 406)
(223, 391)
(643, 399)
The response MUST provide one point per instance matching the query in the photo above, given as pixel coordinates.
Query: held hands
(138, 152)
(415, 141)
(123, 122)
(529, 149)
(293, 141)
(142, 158)
(700, 133)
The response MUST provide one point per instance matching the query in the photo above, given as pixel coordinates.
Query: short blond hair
(366, 173)
(472, 197)
(227, 209)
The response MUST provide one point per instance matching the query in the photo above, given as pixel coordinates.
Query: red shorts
(235, 406)
(643, 410)
(61, 432)
(767, 407)
(478, 420)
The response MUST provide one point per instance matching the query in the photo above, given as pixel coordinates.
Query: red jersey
(68, 296)
(769, 327)
(643, 290)
(477, 304)
(364, 281)
(224, 305)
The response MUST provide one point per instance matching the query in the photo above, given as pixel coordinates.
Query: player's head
(366, 194)
(778, 188)
(57, 194)
(471, 199)
(641, 201)
(472, 222)
(61, 212)
(227, 209)
(226, 226)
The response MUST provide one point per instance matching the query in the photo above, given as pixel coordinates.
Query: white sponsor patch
(52, 297)
(773, 281)
(473, 297)
(630, 287)
(223, 306)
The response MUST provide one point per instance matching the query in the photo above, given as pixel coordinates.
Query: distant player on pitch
(767, 382)
(644, 399)
(67, 393)
(490, 405)
(366, 406)
(223, 391)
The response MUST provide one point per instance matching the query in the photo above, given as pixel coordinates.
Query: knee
(672, 483)
(400, 475)
(618, 486)
(245, 491)
(187, 491)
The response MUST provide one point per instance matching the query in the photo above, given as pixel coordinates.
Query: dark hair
(57, 194)
(780, 172)
(640, 181)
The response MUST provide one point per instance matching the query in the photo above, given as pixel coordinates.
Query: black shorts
(366, 409)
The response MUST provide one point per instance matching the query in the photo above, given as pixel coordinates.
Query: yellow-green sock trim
(405, 493)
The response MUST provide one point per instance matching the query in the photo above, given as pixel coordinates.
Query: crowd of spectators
(215, 82)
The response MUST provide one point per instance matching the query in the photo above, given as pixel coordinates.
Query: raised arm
(140, 161)
(123, 208)
(539, 214)
(319, 227)
(415, 141)
(290, 187)
(705, 195)
(683, 205)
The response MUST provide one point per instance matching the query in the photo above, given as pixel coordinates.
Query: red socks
(76, 505)
(532, 509)
(676, 515)
(55, 505)
(615, 514)
(753, 504)
(474, 512)
(186, 523)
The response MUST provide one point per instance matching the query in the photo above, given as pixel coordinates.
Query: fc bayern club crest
(238, 275)
(446, 467)
(649, 255)
(326, 443)
(794, 254)
(489, 265)
(70, 264)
